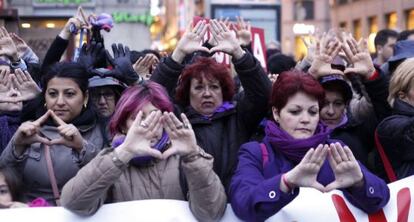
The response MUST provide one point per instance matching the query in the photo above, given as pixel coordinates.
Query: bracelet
(287, 184)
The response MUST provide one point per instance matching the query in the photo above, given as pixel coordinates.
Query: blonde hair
(402, 80)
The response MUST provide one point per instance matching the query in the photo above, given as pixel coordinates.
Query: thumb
(58, 141)
(168, 153)
(42, 140)
(155, 153)
(319, 186)
(215, 49)
(352, 70)
(332, 186)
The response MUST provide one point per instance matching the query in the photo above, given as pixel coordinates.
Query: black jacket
(359, 135)
(396, 134)
(222, 135)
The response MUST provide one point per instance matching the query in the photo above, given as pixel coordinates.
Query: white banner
(310, 205)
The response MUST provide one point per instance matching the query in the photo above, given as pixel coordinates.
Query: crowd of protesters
(140, 125)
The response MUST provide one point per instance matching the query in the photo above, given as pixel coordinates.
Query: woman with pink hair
(151, 152)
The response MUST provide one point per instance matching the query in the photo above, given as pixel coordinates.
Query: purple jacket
(255, 193)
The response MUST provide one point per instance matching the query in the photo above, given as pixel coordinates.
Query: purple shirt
(255, 194)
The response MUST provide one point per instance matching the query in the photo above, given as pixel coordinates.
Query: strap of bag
(387, 165)
(52, 176)
(265, 154)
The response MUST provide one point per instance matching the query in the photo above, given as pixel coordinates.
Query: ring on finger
(185, 126)
(179, 127)
(143, 125)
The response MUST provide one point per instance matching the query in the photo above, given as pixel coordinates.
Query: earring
(85, 105)
(45, 105)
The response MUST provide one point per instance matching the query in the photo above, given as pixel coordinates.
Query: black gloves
(122, 65)
(91, 55)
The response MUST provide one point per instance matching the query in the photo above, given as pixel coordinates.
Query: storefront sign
(62, 3)
(126, 17)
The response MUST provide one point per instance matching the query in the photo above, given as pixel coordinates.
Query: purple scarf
(222, 108)
(161, 145)
(294, 149)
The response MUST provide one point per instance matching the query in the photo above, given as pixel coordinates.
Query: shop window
(357, 29)
(391, 19)
(303, 10)
(410, 19)
(373, 29)
(300, 48)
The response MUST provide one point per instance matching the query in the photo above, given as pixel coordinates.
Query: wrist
(192, 155)
(123, 154)
(287, 183)
(178, 56)
(64, 34)
(238, 54)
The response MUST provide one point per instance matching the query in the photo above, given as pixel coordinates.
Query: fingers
(308, 156)
(349, 154)
(152, 120)
(332, 186)
(186, 122)
(43, 140)
(42, 119)
(57, 120)
(169, 152)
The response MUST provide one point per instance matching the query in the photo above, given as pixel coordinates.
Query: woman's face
(65, 98)
(333, 109)
(299, 117)
(147, 109)
(205, 95)
(5, 195)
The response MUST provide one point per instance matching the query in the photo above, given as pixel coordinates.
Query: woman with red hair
(205, 93)
(297, 152)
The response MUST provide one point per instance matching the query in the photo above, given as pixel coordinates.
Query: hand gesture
(7, 46)
(326, 49)
(144, 65)
(20, 44)
(181, 134)
(24, 83)
(345, 168)
(72, 27)
(243, 30)
(211, 40)
(358, 54)
(122, 64)
(28, 133)
(89, 54)
(310, 44)
(70, 135)
(305, 173)
(191, 41)
(140, 134)
(273, 78)
(226, 40)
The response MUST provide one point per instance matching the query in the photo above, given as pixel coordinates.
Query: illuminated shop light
(26, 25)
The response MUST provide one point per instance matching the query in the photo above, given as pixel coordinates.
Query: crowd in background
(130, 125)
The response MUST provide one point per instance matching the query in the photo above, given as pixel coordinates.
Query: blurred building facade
(364, 18)
(299, 18)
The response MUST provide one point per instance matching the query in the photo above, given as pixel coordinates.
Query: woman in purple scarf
(151, 151)
(300, 154)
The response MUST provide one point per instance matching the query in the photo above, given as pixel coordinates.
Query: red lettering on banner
(403, 204)
(377, 217)
(342, 209)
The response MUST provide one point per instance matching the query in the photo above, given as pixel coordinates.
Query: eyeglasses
(107, 96)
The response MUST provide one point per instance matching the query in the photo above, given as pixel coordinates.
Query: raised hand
(70, 135)
(7, 46)
(24, 83)
(273, 78)
(310, 44)
(358, 54)
(122, 64)
(326, 49)
(191, 41)
(138, 139)
(72, 27)
(345, 168)
(144, 65)
(20, 44)
(89, 54)
(226, 40)
(243, 30)
(181, 134)
(305, 173)
(28, 133)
